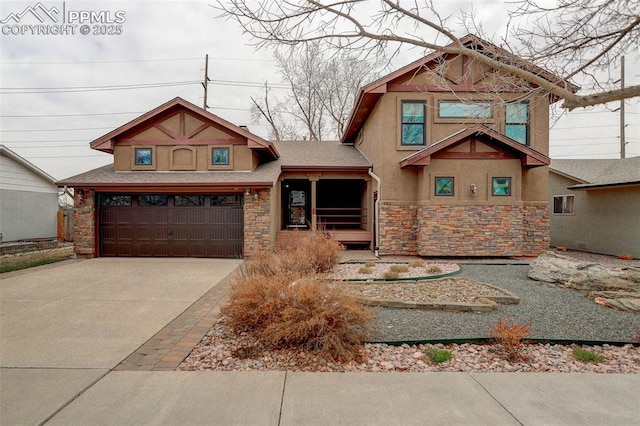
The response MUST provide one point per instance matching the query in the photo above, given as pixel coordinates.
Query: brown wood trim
(180, 141)
(196, 188)
(197, 130)
(474, 155)
(165, 130)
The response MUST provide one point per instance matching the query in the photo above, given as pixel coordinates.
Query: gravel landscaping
(551, 312)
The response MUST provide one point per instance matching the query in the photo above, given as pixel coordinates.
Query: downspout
(376, 208)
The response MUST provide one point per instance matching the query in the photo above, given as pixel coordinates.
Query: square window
(444, 186)
(220, 156)
(501, 186)
(225, 200)
(144, 156)
(564, 204)
(413, 123)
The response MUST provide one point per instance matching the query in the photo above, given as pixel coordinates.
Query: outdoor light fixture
(474, 189)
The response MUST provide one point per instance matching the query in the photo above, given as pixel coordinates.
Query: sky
(59, 92)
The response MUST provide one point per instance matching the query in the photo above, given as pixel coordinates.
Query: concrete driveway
(64, 327)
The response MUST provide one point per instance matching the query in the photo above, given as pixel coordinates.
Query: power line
(54, 130)
(27, 90)
(136, 60)
(69, 115)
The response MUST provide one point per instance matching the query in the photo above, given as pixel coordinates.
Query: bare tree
(322, 90)
(573, 37)
(279, 128)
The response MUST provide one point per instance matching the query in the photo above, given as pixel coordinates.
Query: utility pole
(622, 138)
(205, 83)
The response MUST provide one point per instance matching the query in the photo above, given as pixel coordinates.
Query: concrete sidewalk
(65, 330)
(288, 399)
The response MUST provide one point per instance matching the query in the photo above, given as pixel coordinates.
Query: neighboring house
(28, 200)
(444, 157)
(596, 205)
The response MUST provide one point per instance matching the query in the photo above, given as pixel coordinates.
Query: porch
(340, 207)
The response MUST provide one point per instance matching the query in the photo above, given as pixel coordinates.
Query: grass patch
(26, 265)
(585, 355)
(365, 270)
(437, 356)
(399, 268)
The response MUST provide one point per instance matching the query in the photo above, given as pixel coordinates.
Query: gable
(445, 72)
(179, 122)
(477, 142)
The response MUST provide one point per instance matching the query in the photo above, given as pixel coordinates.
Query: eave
(586, 187)
(169, 187)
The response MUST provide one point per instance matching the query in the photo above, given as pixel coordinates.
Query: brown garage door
(171, 225)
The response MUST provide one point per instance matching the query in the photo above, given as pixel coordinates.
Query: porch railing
(341, 218)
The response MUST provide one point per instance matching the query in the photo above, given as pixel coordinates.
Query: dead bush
(282, 304)
(508, 337)
(318, 250)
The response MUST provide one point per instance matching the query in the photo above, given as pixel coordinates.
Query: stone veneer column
(536, 227)
(84, 218)
(398, 228)
(257, 223)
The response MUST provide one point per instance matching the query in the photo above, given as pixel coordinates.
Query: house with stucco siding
(595, 205)
(443, 157)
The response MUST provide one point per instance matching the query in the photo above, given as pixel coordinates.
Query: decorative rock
(554, 268)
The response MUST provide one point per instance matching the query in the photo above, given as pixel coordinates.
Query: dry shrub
(637, 337)
(509, 337)
(285, 310)
(277, 298)
(434, 269)
(391, 275)
(416, 263)
(399, 268)
(365, 270)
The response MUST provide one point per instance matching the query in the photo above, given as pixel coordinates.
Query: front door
(296, 197)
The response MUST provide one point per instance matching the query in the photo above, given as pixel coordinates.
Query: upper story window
(460, 109)
(144, 156)
(413, 123)
(517, 122)
(220, 157)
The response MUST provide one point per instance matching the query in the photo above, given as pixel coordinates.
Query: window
(517, 122)
(144, 156)
(188, 200)
(563, 204)
(152, 200)
(459, 109)
(226, 200)
(413, 123)
(116, 200)
(501, 186)
(220, 156)
(444, 186)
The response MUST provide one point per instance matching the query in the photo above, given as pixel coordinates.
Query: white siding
(15, 177)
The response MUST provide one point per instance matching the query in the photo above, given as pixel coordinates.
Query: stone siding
(398, 228)
(257, 223)
(84, 230)
(482, 230)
